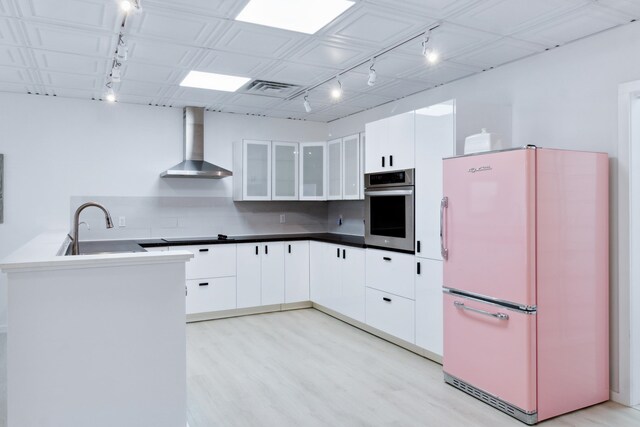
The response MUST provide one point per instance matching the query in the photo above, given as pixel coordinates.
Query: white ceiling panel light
(304, 16)
(212, 81)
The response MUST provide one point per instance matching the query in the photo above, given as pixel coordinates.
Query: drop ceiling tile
(400, 88)
(393, 65)
(326, 54)
(167, 54)
(366, 101)
(283, 114)
(505, 17)
(9, 33)
(174, 27)
(450, 40)
(62, 39)
(443, 72)
(13, 56)
(150, 73)
(94, 14)
(16, 87)
(218, 8)
(574, 25)
(72, 93)
(498, 53)
(16, 75)
(67, 62)
(137, 88)
(72, 80)
(298, 74)
(438, 9)
(377, 27)
(232, 63)
(341, 110)
(630, 7)
(256, 101)
(6, 8)
(257, 40)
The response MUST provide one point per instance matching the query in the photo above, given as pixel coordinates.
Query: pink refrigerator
(524, 237)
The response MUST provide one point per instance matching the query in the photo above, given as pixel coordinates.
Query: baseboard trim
(380, 334)
(236, 312)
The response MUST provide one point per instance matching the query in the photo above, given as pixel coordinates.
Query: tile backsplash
(152, 217)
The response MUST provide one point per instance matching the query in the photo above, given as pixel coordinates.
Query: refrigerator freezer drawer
(491, 348)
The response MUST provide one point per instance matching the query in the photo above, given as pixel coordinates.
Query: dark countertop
(120, 246)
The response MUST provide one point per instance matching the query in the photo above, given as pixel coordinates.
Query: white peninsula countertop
(95, 339)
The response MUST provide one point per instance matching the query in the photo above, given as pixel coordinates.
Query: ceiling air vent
(264, 87)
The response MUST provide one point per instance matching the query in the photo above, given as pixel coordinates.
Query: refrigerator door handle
(500, 316)
(444, 252)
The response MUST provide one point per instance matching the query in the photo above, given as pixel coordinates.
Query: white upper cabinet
(390, 143)
(351, 172)
(334, 169)
(363, 148)
(435, 139)
(284, 170)
(313, 171)
(252, 170)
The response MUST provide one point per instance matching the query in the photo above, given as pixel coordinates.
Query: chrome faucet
(76, 224)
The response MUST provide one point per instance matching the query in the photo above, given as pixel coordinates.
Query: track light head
(372, 74)
(307, 105)
(428, 51)
(109, 94)
(115, 72)
(336, 92)
(122, 52)
(128, 5)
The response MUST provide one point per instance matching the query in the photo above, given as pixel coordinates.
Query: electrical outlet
(122, 221)
(282, 219)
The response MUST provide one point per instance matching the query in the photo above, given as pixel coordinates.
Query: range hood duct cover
(194, 165)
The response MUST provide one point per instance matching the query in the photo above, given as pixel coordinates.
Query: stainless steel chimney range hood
(194, 165)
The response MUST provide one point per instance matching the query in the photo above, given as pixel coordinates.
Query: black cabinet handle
(386, 258)
(418, 268)
(338, 252)
(204, 250)
(203, 284)
(344, 254)
(256, 250)
(266, 249)
(289, 248)
(382, 161)
(418, 246)
(390, 160)
(386, 299)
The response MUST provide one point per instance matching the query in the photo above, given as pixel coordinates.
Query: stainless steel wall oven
(389, 210)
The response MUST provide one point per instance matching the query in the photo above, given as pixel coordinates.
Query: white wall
(58, 148)
(564, 98)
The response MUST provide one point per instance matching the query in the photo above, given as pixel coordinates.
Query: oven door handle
(388, 193)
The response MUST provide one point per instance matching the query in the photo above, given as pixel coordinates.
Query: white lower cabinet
(210, 278)
(337, 278)
(249, 275)
(211, 294)
(272, 264)
(296, 271)
(391, 272)
(260, 274)
(429, 325)
(391, 314)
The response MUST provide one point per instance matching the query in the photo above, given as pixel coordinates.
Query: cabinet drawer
(391, 272)
(391, 314)
(211, 294)
(210, 261)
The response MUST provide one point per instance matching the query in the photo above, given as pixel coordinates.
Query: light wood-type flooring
(304, 368)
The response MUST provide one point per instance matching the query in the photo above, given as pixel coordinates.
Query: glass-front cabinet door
(312, 171)
(256, 170)
(351, 167)
(334, 165)
(284, 170)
